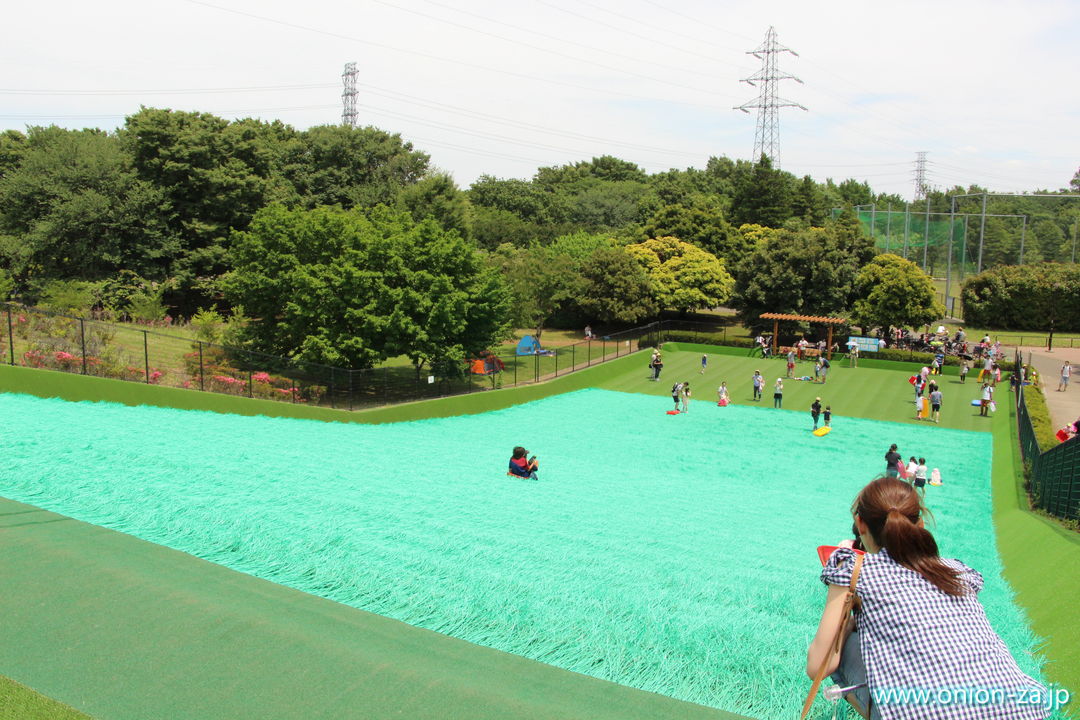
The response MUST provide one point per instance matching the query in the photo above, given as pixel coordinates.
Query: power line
(418, 53)
(180, 91)
(592, 48)
(651, 39)
(549, 50)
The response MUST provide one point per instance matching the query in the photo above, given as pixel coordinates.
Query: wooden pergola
(816, 319)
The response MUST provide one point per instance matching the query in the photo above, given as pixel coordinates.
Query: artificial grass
(129, 630)
(18, 702)
(1042, 563)
(666, 575)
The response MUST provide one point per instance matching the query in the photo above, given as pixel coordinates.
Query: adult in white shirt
(1066, 372)
(987, 398)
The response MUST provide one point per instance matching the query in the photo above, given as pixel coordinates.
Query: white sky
(987, 88)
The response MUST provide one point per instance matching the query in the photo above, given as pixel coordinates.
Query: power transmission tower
(348, 96)
(767, 136)
(921, 187)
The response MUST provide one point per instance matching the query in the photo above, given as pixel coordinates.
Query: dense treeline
(344, 245)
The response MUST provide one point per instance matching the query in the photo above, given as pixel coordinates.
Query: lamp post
(1055, 292)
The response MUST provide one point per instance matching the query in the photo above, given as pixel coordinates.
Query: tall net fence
(1053, 475)
(36, 338)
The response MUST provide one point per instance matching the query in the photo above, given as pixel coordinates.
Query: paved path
(1064, 406)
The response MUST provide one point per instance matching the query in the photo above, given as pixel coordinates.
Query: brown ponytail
(892, 509)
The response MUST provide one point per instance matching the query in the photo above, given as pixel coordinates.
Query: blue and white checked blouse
(930, 655)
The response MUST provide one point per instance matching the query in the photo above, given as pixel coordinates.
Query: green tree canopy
(614, 288)
(353, 288)
(73, 208)
(682, 276)
(809, 271)
(895, 292)
(764, 197)
(699, 224)
(1024, 297)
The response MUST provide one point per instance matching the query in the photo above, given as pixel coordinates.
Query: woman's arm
(826, 632)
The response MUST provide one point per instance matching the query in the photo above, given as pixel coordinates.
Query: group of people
(680, 393)
(927, 391)
(915, 472)
(816, 412)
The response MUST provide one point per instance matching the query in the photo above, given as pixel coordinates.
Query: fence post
(385, 386)
(573, 357)
(202, 371)
(536, 368)
(556, 362)
(332, 405)
(146, 355)
(11, 336)
(588, 359)
(251, 388)
(82, 336)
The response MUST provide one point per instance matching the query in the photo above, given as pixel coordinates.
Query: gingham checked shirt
(914, 637)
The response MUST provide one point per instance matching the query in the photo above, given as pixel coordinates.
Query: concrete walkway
(1064, 406)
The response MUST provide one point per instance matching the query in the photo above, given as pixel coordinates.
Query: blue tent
(528, 346)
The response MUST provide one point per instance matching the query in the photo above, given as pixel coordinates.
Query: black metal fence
(38, 338)
(1053, 475)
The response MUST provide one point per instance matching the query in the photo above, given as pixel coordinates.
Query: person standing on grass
(853, 353)
(827, 416)
(759, 384)
(1066, 373)
(964, 367)
(686, 397)
(722, 394)
(704, 363)
(935, 403)
(778, 393)
(825, 365)
(815, 411)
(987, 398)
(791, 362)
(658, 365)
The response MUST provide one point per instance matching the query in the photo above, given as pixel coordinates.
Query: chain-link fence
(1054, 475)
(56, 341)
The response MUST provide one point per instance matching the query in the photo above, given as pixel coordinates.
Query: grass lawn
(18, 702)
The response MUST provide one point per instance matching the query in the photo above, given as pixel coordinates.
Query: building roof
(805, 318)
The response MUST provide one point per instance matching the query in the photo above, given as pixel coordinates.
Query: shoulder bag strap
(838, 639)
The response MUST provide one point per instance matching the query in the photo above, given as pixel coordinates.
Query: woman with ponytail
(927, 649)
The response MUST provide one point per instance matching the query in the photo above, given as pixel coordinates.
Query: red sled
(722, 403)
(672, 412)
(912, 379)
(1062, 435)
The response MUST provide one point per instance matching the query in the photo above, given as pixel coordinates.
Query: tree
(351, 167)
(541, 281)
(353, 288)
(763, 198)
(808, 271)
(1041, 296)
(894, 292)
(614, 288)
(682, 276)
(698, 224)
(438, 197)
(73, 208)
(808, 202)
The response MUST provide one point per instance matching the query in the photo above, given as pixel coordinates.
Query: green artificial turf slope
(1042, 563)
(126, 629)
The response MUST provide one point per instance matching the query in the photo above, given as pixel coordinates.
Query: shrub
(704, 338)
(1040, 417)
